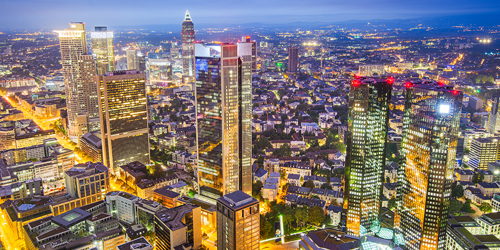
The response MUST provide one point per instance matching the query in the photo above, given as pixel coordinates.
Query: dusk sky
(54, 14)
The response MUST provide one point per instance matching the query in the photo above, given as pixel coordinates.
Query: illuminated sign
(444, 108)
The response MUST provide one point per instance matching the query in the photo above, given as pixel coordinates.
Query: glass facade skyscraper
(124, 118)
(430, 133)
(224, 112)
(367, 125)
(187, 39)
(494, 120)
(103, 49)
(79, 79)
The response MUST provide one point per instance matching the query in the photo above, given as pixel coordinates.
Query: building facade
(187, 39)
(224, 113)
(238, 222)
(103, 49)
(367, 127)
(79, 79)
(293, 59)
(430, 134)
(178, 226)
(124, 118)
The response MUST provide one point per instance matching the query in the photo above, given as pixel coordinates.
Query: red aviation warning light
(356, 83)
(357, 76)
(454, 91)
(408, 84)
(441, 82)
(390, 80)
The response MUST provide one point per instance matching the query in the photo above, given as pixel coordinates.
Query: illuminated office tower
(246, 41)
(494, 121)
(367, 126)
(430, 133)
(187, 39)
(103, 49)
(79, 79)
(238, 222)
(224, 113)
(124, 118)
(132, 60)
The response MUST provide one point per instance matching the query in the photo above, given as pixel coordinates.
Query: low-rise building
(166, 197)
(178, 226)
(269, 191)
(490, 223)
(335, 213)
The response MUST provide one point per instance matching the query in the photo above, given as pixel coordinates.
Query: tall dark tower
(187, 37)
(431, 123)
(367, 126)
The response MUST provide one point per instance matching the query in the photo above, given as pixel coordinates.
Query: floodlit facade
(79, 79)
(187, 39)
(430, 134)
(103, 49)
(238, 222)
(124, 118)
(482, 152)
(224, 113)
(367, 126)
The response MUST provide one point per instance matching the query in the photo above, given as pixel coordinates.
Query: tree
(338, 172)
(309, 184)
(316, 215)
(477, 178)
(288, 215)
(256, 187)
(326, 186)
(301, 215)
(486, 207)
(457, 191)
(260, 161)
(392, 203)
(328, 220)
(467, 208)
(266, 228)
(455, 206)
(283, 151)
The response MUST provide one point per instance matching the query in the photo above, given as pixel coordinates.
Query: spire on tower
(187, 17)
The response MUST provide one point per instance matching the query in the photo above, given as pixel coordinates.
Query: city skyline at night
(249, 125)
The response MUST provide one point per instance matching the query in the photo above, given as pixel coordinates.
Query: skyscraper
(293, 59)
(224, 113)
(246, 41)
(132, 60)
(238, 222)
(103, 49)
(367, 126)
(494, 121)
(187, 39)
(124, 118)
(79, 79)
(430, 133)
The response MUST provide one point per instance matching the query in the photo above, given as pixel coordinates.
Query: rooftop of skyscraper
(237, 199)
